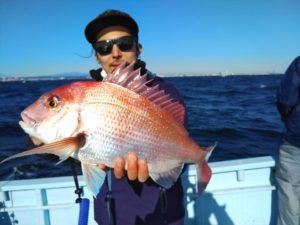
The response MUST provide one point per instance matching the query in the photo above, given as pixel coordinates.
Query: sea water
(238, 112)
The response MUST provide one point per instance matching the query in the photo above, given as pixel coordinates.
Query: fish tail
(203, 170)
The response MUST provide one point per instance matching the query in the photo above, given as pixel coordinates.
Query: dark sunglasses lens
(103, 48)
(125, 43)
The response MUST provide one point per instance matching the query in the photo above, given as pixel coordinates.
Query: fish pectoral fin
(93, 177)
(167, 178)
(63, 148)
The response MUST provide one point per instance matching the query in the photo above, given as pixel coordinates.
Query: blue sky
(41, 37)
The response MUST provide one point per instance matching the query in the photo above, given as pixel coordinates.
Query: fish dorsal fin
(133, 80)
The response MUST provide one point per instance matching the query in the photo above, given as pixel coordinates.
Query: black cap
(110, 18)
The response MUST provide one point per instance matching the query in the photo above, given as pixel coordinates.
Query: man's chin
(114, 67)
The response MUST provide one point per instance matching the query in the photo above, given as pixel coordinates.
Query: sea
(236, 111)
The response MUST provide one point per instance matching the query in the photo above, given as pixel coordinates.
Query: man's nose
(116, 52)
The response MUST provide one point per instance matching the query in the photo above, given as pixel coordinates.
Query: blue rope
(84, 211)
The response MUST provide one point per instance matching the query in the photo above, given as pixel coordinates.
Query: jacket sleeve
(288, 92)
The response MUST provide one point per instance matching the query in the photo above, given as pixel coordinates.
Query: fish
(95, 122)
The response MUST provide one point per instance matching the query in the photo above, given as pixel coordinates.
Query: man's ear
(97, 57)
(139, 49)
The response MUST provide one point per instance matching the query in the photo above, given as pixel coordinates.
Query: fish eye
(52, 102)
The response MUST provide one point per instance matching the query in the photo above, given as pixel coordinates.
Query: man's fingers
(143, 173)
(119, 167)
(132, 166)
(102, 167)
(136, 168)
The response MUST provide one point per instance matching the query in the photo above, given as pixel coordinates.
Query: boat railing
(241, 192)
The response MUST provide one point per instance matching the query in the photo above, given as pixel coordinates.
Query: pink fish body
(95, 122)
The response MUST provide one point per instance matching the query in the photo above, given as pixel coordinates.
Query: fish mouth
(27, 121)
(28, 124)
(28, 129)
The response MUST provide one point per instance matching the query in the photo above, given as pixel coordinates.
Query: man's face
(112, 60)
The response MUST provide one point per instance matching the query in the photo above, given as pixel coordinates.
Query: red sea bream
(95, 122)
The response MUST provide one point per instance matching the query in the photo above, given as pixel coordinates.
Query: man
(132, 197)
(288, 166)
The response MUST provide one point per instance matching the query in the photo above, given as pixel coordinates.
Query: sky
(44, 37)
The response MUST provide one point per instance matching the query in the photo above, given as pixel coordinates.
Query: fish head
(54, 116)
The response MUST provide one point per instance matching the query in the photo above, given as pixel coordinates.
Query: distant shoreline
(85, 76)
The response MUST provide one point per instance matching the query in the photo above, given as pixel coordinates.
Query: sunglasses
(125, 44)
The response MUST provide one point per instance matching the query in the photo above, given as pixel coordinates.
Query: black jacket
(288, 96)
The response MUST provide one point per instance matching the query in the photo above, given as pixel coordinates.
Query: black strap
(163, 204)
(78, 190)
(108, 199)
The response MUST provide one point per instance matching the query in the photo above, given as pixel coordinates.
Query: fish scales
(126, 123)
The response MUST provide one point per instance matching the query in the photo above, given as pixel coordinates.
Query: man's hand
(136, 168)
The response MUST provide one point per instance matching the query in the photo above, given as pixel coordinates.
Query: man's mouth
(114, 66)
